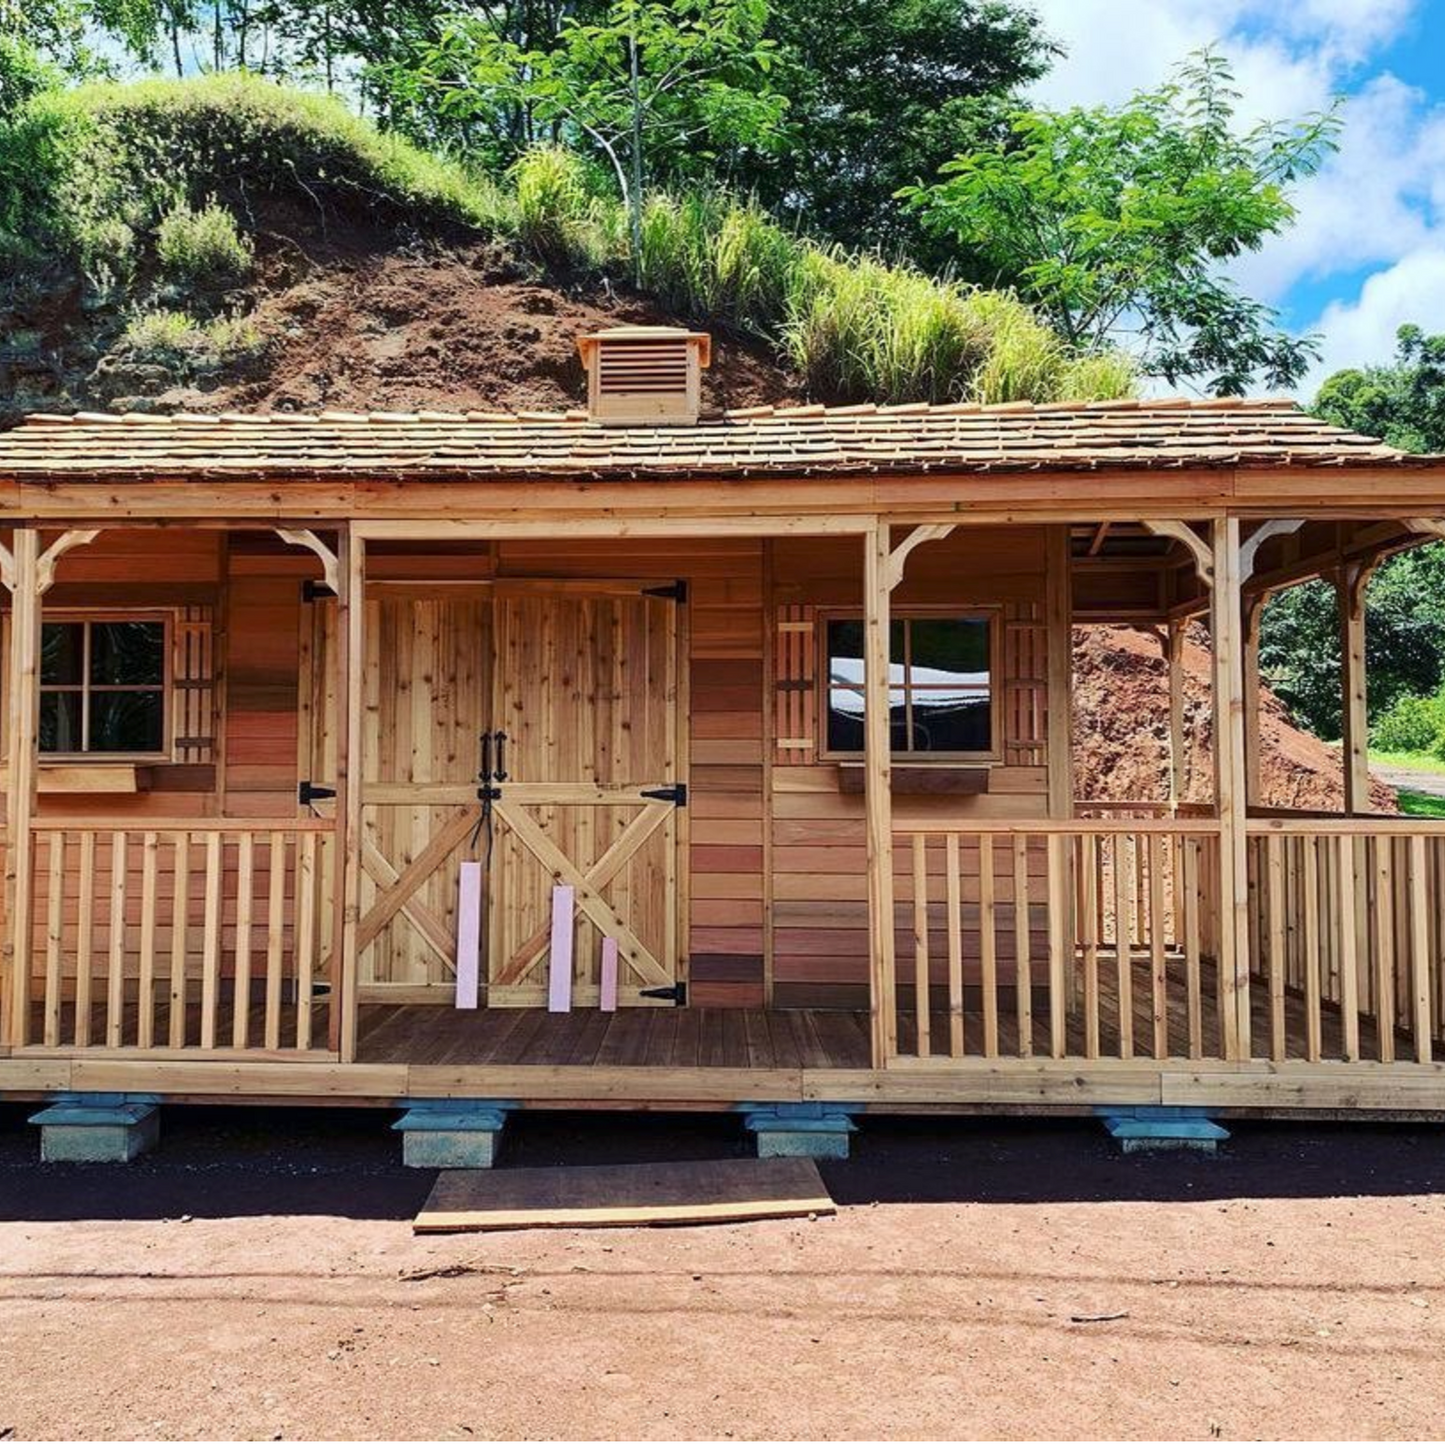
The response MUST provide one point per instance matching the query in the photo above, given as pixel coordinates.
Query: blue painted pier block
(452, 1133)
(1156, 1126)
(800, 1131)
(97, 1128)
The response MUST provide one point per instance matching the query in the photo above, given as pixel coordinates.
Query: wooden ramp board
(713, 1191)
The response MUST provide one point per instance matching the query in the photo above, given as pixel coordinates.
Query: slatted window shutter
(795, 662)
(193, 674)
(1025, 685)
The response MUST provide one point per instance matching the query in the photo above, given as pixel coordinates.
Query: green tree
(1117, 221)
(880, 94)
(1404, 403)
(640, 87)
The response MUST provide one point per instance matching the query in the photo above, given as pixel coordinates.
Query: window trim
(991, 613)
(166, 687)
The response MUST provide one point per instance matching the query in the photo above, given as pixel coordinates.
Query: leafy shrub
(201, 246)
(1411, 725)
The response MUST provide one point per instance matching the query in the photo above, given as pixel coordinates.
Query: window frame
(989, 613)
(88, 618)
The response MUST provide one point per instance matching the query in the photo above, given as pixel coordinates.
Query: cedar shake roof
(789, 441)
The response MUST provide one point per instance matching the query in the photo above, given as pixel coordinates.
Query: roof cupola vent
(645, 375)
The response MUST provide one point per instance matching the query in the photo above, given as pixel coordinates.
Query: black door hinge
(677, 992)
(675, 591)
(308, 792)
(673, 793)
(313, 591)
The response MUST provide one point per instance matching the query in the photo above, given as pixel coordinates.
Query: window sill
(75, 777)
(950, 779)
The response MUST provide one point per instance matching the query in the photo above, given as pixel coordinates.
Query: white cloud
(1362, 332)
(1380, 201)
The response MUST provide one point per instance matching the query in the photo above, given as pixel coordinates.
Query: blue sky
(1368, 249)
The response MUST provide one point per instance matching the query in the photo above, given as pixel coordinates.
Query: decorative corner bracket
(304, 537)
(898, 557)
(1249, 548)
(1197, 547)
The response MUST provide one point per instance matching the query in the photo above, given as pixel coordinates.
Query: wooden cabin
(642, 756)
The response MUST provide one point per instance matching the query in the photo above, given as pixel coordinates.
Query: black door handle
(501, 756)
(485, 775)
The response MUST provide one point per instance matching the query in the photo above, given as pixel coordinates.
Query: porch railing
(195, 934)
(1090, 939)
(1347, 938)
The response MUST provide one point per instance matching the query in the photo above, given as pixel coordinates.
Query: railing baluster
(1278, 1042)
(1420, 949)
(241, 975)
(84, 939)
(1023, 959)
(1349, 980)
(1061, 952)
(145, 1027)
(1193, 963)
(1313, 1043)
(54, 941)
(304, 941)
(211, 943)
(953, 886)
(1123, 948)
(180, 939)
(275, 936)
(922, 1022)
(988, 945)
(115, 968)
(1158, 973)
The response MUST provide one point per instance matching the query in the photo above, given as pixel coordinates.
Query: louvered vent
(645, 375)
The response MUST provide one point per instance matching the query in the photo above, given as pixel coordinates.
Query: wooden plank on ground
(710, 1191)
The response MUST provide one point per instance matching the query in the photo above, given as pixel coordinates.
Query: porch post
(1350, 583)
(346, 871)
(1060, 849)
(877, 757)
(23, 725)
(1178, 756)
(1229, 790)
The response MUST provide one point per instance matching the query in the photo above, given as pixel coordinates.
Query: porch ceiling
(760, 441)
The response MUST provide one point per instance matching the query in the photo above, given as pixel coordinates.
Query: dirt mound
(1121, 729)
(372, 327)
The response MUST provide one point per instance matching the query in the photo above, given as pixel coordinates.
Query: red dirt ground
(239, 1287)
(1121, 729)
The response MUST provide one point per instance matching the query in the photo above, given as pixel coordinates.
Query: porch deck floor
(665, 1038)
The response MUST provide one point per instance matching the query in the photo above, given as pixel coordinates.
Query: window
(103, 686)
(940, 676)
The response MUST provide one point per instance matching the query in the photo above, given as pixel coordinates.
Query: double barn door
(582, 680)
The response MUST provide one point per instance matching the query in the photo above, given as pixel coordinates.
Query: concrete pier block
(452, 1133)
(800, 1131)
(97, 1128)
(1142, 1128)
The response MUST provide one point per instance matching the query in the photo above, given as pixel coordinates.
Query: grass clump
(185, 346)
(559, 215)
(202, 246)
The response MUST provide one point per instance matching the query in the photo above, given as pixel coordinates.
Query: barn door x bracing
(582, 679)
